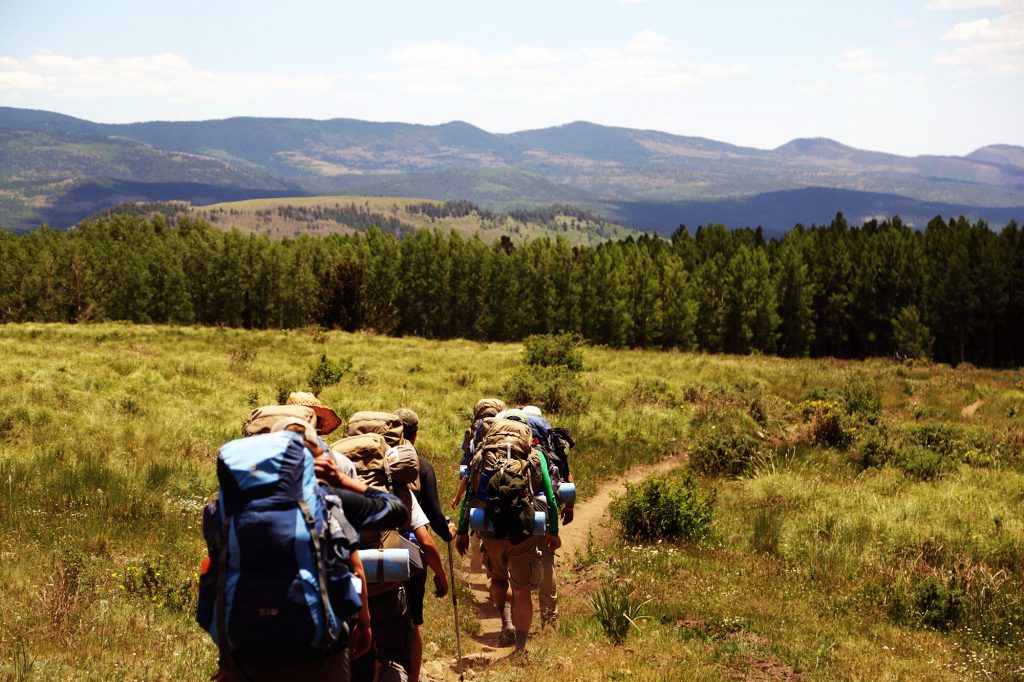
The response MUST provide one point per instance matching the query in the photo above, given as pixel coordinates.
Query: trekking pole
(455, 606)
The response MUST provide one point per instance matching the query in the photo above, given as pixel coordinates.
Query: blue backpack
(278, 583)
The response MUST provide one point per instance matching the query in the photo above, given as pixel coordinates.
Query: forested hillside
(954, 291)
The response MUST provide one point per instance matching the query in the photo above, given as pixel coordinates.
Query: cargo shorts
(519, 564)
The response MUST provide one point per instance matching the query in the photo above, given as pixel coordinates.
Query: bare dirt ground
(969, 411)
(591, 519)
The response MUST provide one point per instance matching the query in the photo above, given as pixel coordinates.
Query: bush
(862, 401)
(830, 425)
(922, 463)
(617, 611)
(327, 373)
(653, 392)
(554, 350)
(937, 605)
(553, 389)
(663, 508)
(874, 450)
(722, 455)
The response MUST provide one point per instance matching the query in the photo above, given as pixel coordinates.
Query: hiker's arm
(362, 638)
(430, 503)
(433, 558)
(373, 510)
(462, 536)
(549, 493)
(463, 483)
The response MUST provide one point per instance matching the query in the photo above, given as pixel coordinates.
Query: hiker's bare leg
(416, 655)
(522, 616)
(548, 594)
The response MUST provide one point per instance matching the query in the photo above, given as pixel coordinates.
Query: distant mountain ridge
(602, 168)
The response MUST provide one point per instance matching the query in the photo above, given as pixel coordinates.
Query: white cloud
(955, 5)
(857, 60)
(642, 66)
(996, 46)
(168, 75)
(649, 41)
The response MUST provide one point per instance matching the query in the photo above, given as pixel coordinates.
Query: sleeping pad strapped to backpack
(278, 588)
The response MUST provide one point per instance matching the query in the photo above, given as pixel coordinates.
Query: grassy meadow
(867, 522)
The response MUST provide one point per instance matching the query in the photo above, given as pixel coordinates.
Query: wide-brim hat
(329, 419)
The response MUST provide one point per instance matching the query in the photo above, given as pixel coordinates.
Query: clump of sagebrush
(555, 389)
(664, 508)
(617, 610)
(554, 350)
(327, 372)
(719, 454)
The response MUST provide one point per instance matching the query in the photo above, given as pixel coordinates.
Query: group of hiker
(317, 555)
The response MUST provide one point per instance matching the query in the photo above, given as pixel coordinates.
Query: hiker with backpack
(384, 459)
(428, 500)
(484, 410)
(280, 592)
(505, 474)
(554, 443)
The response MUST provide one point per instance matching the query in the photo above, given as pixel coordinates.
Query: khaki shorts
(518, 564)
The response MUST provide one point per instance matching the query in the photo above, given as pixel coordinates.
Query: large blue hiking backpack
(278, 588)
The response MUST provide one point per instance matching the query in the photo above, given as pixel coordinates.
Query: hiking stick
(455, 606)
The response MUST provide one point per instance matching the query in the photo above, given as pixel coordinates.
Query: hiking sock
(521, 637)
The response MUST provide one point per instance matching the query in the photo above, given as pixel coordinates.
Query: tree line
(954, 291)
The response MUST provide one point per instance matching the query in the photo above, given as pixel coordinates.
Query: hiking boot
(507, 636)
(519, 657)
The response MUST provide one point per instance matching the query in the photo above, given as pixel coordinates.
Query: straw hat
(329, 419)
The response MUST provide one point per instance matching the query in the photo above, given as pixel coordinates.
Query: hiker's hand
(461, 544)
(451, 528)
(440, 585)
(352, 484)
(361, 640)
(553, 542)
(566, 515)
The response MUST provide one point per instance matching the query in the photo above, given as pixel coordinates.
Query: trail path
(971, 409)
(590, 518)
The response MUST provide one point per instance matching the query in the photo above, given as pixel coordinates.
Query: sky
(903, 76)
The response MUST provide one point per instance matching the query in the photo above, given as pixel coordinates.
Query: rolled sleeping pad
(567, 493)
(463, 470)
(478, 521)
(385, 565)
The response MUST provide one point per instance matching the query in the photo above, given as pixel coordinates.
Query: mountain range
(59, 169)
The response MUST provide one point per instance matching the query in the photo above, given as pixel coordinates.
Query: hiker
(554, 447)
(485, 408)
(255, 557)
(505, 472)
(383, 457)
(327, 421)
(439, 523)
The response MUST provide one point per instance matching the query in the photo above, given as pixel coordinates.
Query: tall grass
(108, 435)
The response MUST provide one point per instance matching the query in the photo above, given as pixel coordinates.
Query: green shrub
(553, 389)
(663, 508)
(874, 449)
(617, 611)
(922, 463)
(830, 424)
(937, 605)
(326, 372)
(554, 350)
(724, 455)
(862, 401)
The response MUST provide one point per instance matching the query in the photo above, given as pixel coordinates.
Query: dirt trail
(971, 409)
(590, 518)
